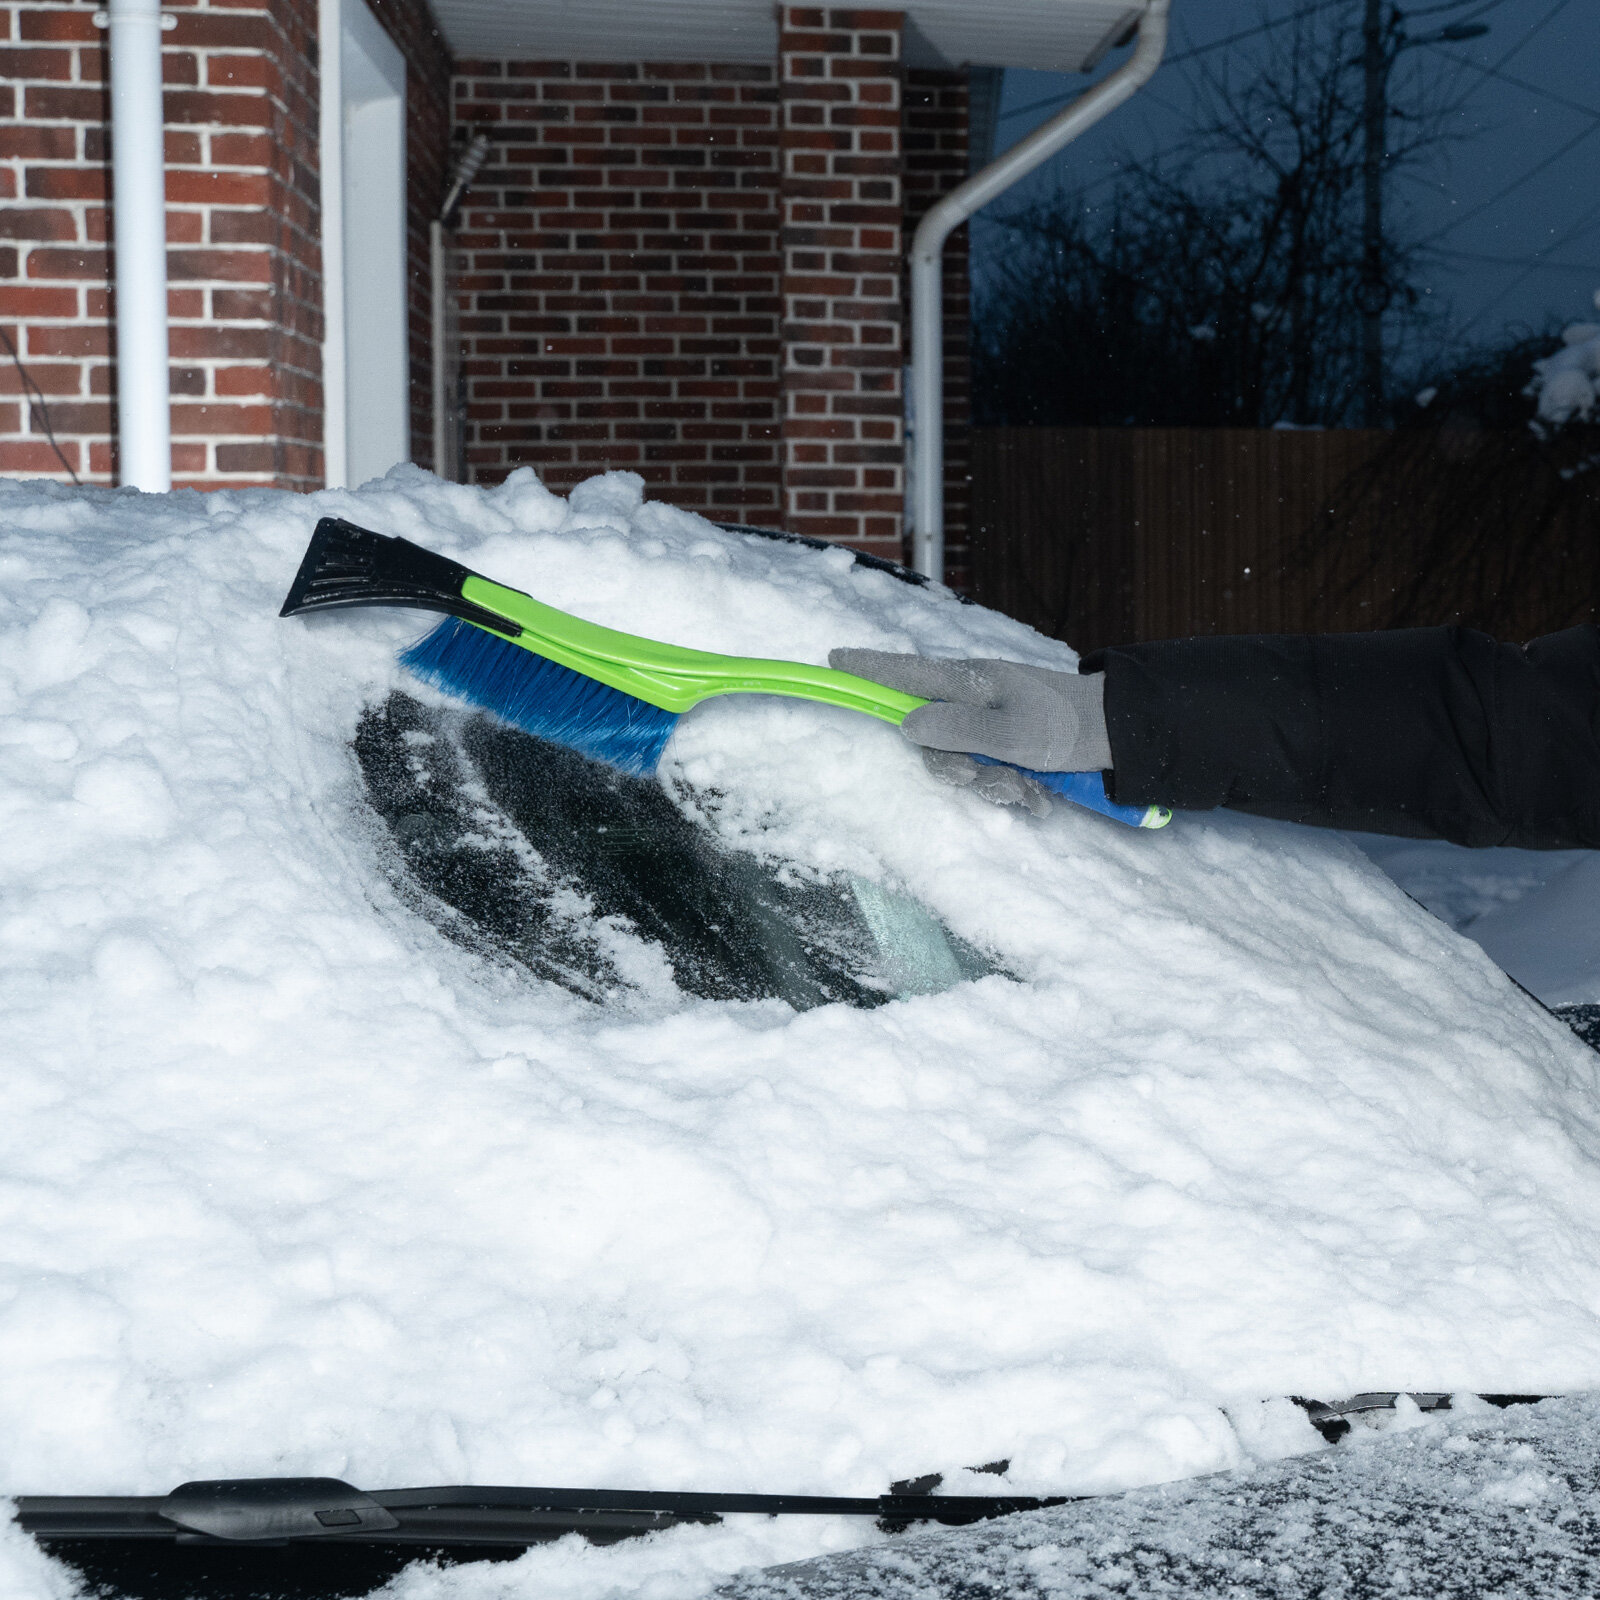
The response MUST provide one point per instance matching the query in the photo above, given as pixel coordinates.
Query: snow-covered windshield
(614, 1184)
(599, 882)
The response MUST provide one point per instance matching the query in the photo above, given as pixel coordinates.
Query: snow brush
(611, 696)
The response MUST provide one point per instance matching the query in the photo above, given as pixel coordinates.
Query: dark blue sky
(1514, 200)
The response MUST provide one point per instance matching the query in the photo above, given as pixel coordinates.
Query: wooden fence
(1109, 535)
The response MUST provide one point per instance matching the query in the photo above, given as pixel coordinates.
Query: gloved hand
(1027, 716)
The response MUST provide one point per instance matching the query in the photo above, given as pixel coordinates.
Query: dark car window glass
(536, 856)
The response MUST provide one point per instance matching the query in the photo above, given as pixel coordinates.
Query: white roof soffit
(1055, 35)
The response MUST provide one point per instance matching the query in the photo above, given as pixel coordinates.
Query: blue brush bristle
(544, 699)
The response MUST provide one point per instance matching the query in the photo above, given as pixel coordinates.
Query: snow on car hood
(294, 1185)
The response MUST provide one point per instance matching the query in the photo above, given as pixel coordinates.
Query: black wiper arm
(243, 1512)
(276, 1511)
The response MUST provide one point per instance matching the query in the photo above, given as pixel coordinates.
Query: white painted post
(139, 220)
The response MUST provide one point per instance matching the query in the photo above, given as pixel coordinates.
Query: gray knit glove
(1027, 716)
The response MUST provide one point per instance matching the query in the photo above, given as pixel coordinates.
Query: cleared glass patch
(535, 856)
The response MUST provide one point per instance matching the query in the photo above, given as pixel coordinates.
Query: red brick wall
(241, 228)
(619, 301)
(243, 221)
(935, 162)
(842, 252)
(638, 241)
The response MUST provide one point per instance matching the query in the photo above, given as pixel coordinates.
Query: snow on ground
(1549, 940)
(1536, 912)
(291, 1185)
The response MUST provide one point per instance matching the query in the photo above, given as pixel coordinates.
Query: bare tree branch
(1223, 286)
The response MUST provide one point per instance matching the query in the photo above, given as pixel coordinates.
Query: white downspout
(927, 273)
(139, 217)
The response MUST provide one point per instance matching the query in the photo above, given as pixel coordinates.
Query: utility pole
(1376, 59)
(1382, 40)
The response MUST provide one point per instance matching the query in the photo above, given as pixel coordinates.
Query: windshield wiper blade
(241, 1513)
(276, 1511)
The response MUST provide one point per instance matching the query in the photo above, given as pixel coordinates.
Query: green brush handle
(669, 676)
(673, 678)
(349, 566)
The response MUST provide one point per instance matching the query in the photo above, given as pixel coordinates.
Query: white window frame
(365, 351)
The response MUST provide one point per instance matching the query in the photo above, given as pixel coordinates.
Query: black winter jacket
(1426, 732)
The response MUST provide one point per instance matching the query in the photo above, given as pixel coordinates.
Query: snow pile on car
(295, 1185)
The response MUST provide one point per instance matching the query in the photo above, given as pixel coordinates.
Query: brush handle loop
(1088, 789)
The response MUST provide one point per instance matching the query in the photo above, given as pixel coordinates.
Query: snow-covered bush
(1566, 383)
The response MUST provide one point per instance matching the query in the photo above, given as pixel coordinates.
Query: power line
(1522, 83)
(1582, 226)
(1519, 261)
(1186, 55)
(1512, 187)
(1534, 32)
(1494, 69)
(1515, 50)
(1248, 33)
(1484, 70)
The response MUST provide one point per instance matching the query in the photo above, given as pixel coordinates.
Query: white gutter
(139, 216)
(927, 273)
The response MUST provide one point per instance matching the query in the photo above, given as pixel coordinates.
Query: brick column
(936, 146)
(243, 236)
(843, 446)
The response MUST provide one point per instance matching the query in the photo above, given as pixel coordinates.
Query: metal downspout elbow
(927, 257)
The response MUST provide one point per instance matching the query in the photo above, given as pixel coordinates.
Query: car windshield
(537, 857)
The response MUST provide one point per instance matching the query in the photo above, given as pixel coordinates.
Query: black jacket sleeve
(1425, 732)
